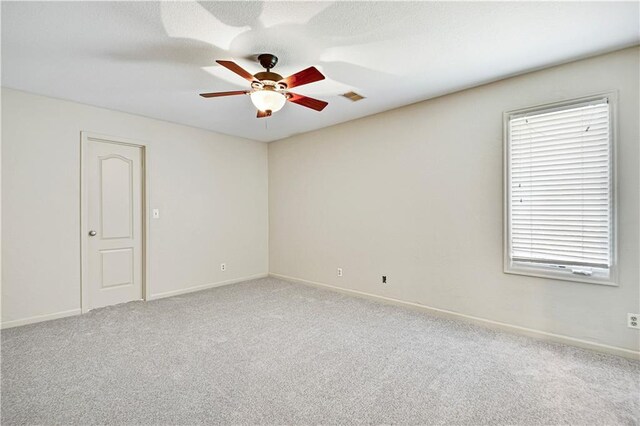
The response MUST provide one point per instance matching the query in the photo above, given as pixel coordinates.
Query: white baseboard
(204, 286)
(63, 314)
(536, 334)
(40, 318)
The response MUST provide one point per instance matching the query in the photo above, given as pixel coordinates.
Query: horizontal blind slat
(571, 152)
(559, 242)
(602, 169)
(552, 188)
(568, 264)
(563, 227)
(564, 162)
(540, 117)
(554, 199)
(537, 117)
(563, 255)
(568, 179)
(561, 132)
(526, 143)
(597, 241)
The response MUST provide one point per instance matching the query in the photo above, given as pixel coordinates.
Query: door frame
(86, 137)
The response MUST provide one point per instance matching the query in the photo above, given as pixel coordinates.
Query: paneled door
(112, 222)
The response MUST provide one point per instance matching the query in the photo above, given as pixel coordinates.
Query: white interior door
(112, 224)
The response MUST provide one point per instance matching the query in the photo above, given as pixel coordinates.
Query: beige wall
(416, 194)
(211, 191)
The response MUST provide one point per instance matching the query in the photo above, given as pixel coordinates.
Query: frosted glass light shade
(268, 100)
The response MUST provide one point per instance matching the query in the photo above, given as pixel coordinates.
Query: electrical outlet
(339, 272)
(384, 279)
(223, 267)
(633, 321)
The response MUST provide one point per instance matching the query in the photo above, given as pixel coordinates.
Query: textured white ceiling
(153, 58)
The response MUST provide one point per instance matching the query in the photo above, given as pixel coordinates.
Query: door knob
(92, 233)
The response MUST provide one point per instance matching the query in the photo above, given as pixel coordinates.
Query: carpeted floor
(273, 352)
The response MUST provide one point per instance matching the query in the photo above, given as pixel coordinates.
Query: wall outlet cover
(633, 321)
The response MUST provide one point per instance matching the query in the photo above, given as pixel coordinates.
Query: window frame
(548, 271)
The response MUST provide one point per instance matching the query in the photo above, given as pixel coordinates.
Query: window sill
(542, 272)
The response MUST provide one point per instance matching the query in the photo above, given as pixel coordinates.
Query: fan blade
(307, 76)
(217, 94)
(232, 66)
(263, 114)
(312, 103)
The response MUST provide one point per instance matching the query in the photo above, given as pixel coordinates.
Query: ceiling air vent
(353, 96)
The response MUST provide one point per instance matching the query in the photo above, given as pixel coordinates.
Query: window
(559, 191)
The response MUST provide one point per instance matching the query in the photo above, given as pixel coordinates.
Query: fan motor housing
(268, 75)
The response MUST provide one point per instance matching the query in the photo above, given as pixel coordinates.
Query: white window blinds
(560, 187)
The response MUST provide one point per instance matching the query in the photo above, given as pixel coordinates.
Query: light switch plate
(156, 213)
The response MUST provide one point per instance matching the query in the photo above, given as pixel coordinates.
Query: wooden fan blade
(263, 114)
(217, 94)
(307, 76)
(232, 66)
(312, 103)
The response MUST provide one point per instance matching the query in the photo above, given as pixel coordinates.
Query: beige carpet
(272, 352)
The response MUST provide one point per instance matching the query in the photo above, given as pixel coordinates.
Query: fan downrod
(267, 60)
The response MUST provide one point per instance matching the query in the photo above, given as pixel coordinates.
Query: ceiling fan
(269, 91)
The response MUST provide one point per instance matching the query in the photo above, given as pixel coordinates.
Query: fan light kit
(268, 100)
(269, 90)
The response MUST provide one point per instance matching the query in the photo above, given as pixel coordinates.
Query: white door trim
(84, 214)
